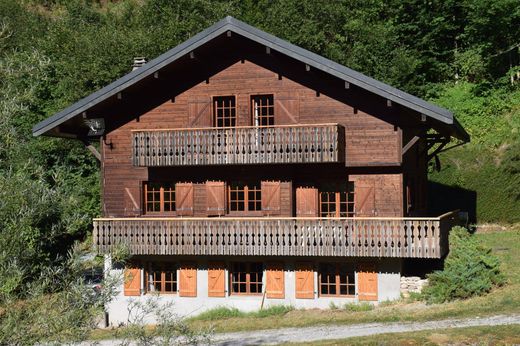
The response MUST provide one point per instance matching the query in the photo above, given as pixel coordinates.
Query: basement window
(246, 278)
(161, 278)
(336, 280)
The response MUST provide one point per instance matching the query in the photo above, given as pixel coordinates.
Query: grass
(493, 335)
(504, 300)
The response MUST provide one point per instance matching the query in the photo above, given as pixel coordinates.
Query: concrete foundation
(118, 310)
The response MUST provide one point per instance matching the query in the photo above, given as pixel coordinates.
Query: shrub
(470, 270)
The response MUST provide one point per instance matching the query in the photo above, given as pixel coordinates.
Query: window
(246, 278)
(336, 279)
(244, 197)
(225, 111)
(159, 197)
(161, 278)
(338, 201)
(262, 110)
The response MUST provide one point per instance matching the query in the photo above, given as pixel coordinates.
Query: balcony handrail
(271, 218)
(235, 127)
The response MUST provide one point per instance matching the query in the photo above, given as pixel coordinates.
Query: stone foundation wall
(412, 284)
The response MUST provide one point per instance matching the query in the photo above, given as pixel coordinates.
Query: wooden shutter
(215, 198)
(270, 197)
(367, 281)
(364, 200)
(307, 201)
(188, 280)
(199, 113)
(275, 282)
(304, 281)
(132, 282)
(184, 199)
(132, 201)
(216, 279)
(286, 108)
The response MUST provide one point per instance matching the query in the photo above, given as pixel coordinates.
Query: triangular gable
(238, 27)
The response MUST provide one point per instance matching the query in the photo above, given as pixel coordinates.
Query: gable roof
(231, 24)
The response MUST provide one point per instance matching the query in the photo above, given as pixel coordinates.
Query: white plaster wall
(388, 287)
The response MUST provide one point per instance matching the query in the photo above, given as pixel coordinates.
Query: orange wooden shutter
(184, 199)
(188, 280)
(132, 283)
(216, 279)
(199, 112)
(307, 201)
(304, 281)
(275, 282)
(215, 198)
(367, 281)
(271, 197)
(364, 200)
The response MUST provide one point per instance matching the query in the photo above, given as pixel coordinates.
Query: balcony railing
(369, 237)
(239, 145)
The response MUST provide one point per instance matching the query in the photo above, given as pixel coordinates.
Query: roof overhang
(50, 126)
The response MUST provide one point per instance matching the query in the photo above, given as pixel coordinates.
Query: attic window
(263, 110)
(225, 111)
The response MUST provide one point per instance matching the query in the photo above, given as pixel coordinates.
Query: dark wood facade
(235, 123)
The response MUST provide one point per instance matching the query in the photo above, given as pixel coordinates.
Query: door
(367, 282)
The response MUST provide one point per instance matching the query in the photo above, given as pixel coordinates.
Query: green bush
(470, 270)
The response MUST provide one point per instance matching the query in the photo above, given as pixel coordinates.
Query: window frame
(269, 107)
(336, 190)
(337, 284)
(259, 283)
(153, 267)
(215, 109)
(248, 187)
(162, 200)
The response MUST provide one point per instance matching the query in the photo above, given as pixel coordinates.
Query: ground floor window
(161, 277)
(336, 279)
(246, 278)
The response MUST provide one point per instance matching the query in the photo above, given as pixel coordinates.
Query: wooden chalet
(239, 169)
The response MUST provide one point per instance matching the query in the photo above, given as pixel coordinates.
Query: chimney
(138, 62)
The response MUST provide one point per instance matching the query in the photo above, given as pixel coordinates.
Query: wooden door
(367, 281)
(271, 197)
(216, 279)
(215, 198)
(364, 198)
(275, 281)
(184, 199)
(188, 280)
(304, 275)
(132, 281)
(307, 202)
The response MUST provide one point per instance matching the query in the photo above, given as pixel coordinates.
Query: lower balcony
(347, 237)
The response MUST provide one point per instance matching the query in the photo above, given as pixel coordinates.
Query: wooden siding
(370, 137)
(369, 237)
(243, 145)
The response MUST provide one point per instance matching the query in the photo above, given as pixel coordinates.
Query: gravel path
(306, 334)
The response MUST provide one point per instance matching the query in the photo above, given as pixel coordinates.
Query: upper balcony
(344, 237)
(239, 145)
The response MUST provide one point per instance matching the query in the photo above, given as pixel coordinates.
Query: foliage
(223, 312)
(169, 329)
(470, 270)
(363, 306)
(66, 314)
